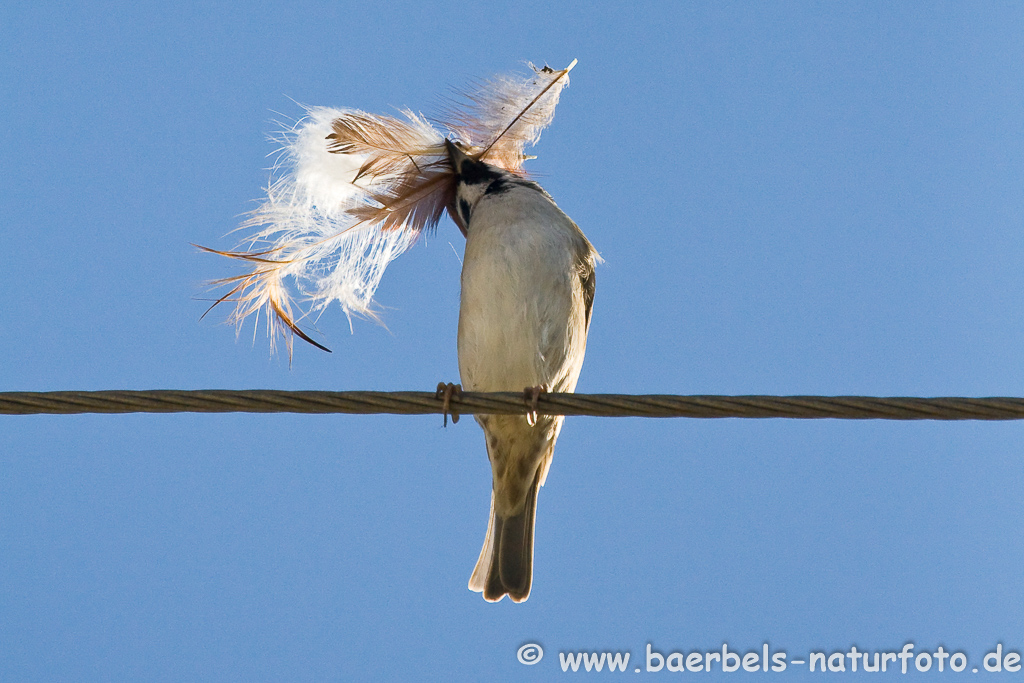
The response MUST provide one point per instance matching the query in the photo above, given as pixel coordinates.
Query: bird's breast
(521, 318)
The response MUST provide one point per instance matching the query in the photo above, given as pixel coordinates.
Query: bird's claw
(532, 395)
(446, 391)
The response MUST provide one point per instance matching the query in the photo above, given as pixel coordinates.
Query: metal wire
(510, 403)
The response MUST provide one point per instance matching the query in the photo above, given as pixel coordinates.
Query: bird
(527, 293)
(351, 190)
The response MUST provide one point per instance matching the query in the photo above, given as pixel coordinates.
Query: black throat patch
(477, 173)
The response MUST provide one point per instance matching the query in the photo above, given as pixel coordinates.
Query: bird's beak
(455, 155)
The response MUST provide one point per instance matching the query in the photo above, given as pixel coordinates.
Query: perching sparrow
(527, 294)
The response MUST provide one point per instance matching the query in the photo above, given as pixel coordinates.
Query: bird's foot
(532, 395)
(446, 391)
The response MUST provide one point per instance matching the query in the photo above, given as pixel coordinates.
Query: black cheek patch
(464, 211)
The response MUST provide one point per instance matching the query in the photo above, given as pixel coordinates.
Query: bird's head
(472, 177)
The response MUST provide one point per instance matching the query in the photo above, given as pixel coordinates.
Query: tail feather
(478, 580)
(505, 566)
(494, 589)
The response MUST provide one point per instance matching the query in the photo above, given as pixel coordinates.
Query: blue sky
(806, 198)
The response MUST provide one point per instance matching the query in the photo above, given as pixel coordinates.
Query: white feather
(307, 217)
(337, 213)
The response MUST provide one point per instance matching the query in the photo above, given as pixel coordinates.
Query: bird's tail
(505, 565)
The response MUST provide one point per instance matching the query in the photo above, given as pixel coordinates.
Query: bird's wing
(589, 283)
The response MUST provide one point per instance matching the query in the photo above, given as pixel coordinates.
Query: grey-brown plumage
(527, 294)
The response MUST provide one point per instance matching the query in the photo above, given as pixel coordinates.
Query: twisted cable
(510, 403)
